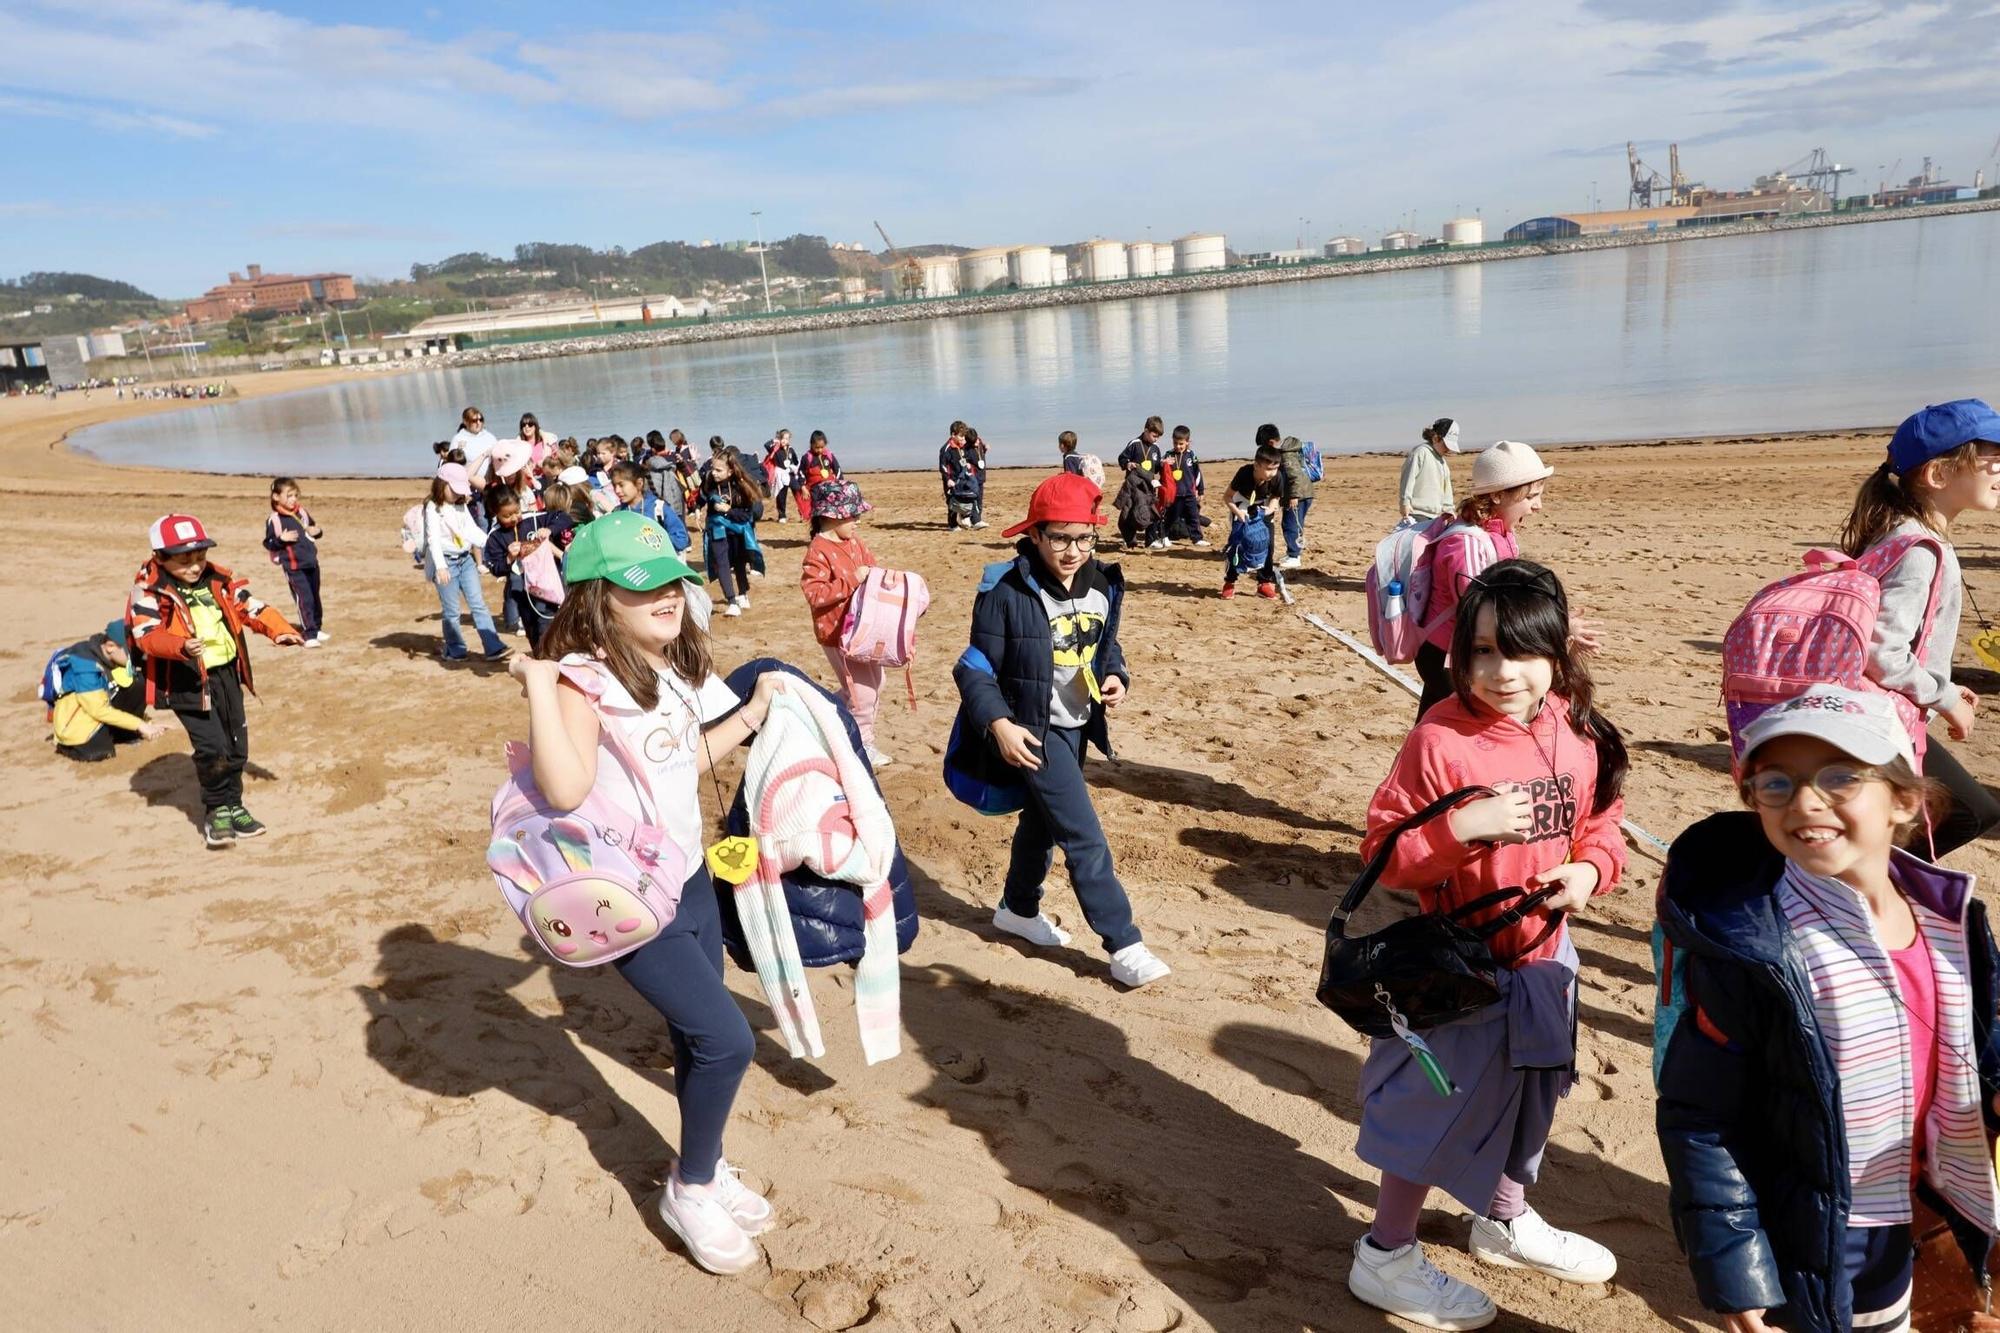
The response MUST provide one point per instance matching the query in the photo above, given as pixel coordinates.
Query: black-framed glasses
(1070, 541)
(1774, 789)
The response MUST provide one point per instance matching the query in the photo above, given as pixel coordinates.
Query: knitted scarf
(812, 803)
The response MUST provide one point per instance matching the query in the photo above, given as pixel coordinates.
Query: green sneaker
(220, 829)
(245, 823)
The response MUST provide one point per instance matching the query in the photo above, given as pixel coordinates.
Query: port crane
(1817, 171)
(1673, 188)
(909, 273)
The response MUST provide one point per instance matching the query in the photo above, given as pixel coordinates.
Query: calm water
(1833, 327)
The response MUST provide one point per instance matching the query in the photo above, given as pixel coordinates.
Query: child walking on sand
(630, 650)
(1942, 462)
(836, 564)
(290, 536)
(729, 550)
(1042, 670)
(1835, 1054)
(452, 542)
(187, 617)
(1520, 721)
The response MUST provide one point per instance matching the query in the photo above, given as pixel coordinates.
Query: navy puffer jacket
(1749, 1108)
(826, 915)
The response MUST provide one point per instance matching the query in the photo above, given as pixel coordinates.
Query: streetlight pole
(762, 271)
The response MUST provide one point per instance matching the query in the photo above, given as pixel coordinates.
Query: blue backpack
(1315, 466)
(51, 687)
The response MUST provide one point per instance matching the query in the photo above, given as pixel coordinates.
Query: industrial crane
(1818, 172)
(909, 274)
(1645, 180)
(1993, 157)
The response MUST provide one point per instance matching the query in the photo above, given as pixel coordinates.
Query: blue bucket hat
(1939, 429)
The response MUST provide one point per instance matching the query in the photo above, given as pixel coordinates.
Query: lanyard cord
(721, 806)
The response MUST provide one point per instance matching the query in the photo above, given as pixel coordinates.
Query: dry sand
(316, 1081)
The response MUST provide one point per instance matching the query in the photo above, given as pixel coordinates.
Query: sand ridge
(318, 1081)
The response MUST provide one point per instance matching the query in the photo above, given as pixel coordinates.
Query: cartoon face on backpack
(582, 914)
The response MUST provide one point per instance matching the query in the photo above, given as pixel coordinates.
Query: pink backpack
(880, 625)
(1399, 585)
(590, 884)
(543, 573)
(1815, 628)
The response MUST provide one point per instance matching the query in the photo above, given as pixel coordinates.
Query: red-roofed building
(285, 292)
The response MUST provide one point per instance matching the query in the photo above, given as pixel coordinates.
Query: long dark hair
(1531, 619)
(586, 622)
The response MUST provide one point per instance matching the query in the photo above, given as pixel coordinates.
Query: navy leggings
(1880, 1263)
(1059, 814)
(680, 974)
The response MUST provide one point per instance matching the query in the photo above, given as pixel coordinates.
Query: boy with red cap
(1041, 671)
(187, 617)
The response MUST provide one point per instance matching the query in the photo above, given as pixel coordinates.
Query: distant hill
(78, 303)
(675, 267)
(42, 286)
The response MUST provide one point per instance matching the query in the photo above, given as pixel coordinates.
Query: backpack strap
(1365, 881)
(611, 739)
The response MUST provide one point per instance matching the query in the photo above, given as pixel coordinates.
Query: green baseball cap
(627, 549)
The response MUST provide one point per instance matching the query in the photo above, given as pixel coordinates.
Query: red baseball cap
(176, 533)
(1063, 498)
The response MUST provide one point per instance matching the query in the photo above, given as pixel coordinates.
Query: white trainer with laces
(744, 601)
(1407, 1285)
(1135, 966)
(749, 1209)
(1036, 929)
(732, 609)
(1290, 562)
(876, 758)
(713, 1238)
(1529, 1242)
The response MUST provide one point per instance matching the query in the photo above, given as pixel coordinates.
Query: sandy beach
(317, 1081)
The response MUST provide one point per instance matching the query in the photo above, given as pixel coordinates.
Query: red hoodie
(1456, 746)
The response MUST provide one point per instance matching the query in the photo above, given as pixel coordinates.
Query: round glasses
(1070, 541)
(1773, 788)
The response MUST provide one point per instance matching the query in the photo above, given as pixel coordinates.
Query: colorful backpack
(413, 528)
(590, 884)
(51, 687)
(1315, 466)
(1814, 628)
(1399, 585)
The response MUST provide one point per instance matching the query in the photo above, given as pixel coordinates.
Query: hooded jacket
(1299, 484)
(1008, 668)
(1749, 1109)
(84, 704)
(160, 623)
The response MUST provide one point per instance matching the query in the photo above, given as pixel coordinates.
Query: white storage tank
(1400, 240)
(1139, 259)
(1029, 266)
(981, 269)
(940, 275)
(1163, 257)
(1465, 231)
(1058, 267)
(1199, 252)
(1346, 245)
(1103, 261)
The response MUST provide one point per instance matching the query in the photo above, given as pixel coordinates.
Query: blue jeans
(462, 581)
(1059, 814)
(1295, 528)
(679, 972)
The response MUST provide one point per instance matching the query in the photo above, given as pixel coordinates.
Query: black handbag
(1422, 971)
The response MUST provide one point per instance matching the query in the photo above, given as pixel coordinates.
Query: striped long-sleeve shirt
(1868, 1031)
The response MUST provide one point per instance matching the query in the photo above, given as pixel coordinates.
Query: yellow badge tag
(1145, 465)
(1177, 474)
(1986, 644)
(732, 859)
(1090, 683)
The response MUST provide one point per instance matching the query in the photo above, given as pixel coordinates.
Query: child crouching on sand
(187, 617)
(835, 566)
(1521, 722)
(1835, 1055)
(630, 649)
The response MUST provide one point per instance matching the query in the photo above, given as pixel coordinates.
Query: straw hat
(1505, 465)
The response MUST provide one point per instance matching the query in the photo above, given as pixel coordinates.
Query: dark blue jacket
(826, 915)
(1749, 1107)
(494, 556)
(1008, 669)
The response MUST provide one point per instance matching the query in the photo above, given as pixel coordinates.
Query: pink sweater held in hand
(1456, 746)
(1455, 562)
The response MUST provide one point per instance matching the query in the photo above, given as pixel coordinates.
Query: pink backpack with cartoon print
(590, 884)
(1815, 628)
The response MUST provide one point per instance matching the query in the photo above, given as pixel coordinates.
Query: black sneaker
(246, 824)
(219, 830)
(500, 654)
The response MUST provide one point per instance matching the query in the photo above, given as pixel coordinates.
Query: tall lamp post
(762, 271)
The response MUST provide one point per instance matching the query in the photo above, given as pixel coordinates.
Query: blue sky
(165, 142)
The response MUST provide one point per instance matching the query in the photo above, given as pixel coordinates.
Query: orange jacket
(159, 624)
(828, 577)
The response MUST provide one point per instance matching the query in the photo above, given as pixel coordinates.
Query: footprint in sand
(323, 1235)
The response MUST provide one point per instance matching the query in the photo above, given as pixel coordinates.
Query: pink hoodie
(1456, 746)
(1455, 562)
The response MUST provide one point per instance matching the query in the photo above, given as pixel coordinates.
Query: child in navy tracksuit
(516, 533)
(289, 536)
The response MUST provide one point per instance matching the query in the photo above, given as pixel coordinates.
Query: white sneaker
(1529, 1242)
(1201, 541)
(749, 1209)
(980, 524)
(322, 636)
(732, 610)
(1407, 1285)
(1036, 929)
(1290, 562)
(712, 1236)
(1135, 966)
(744, 601)
(312, 643)
(876, 758)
